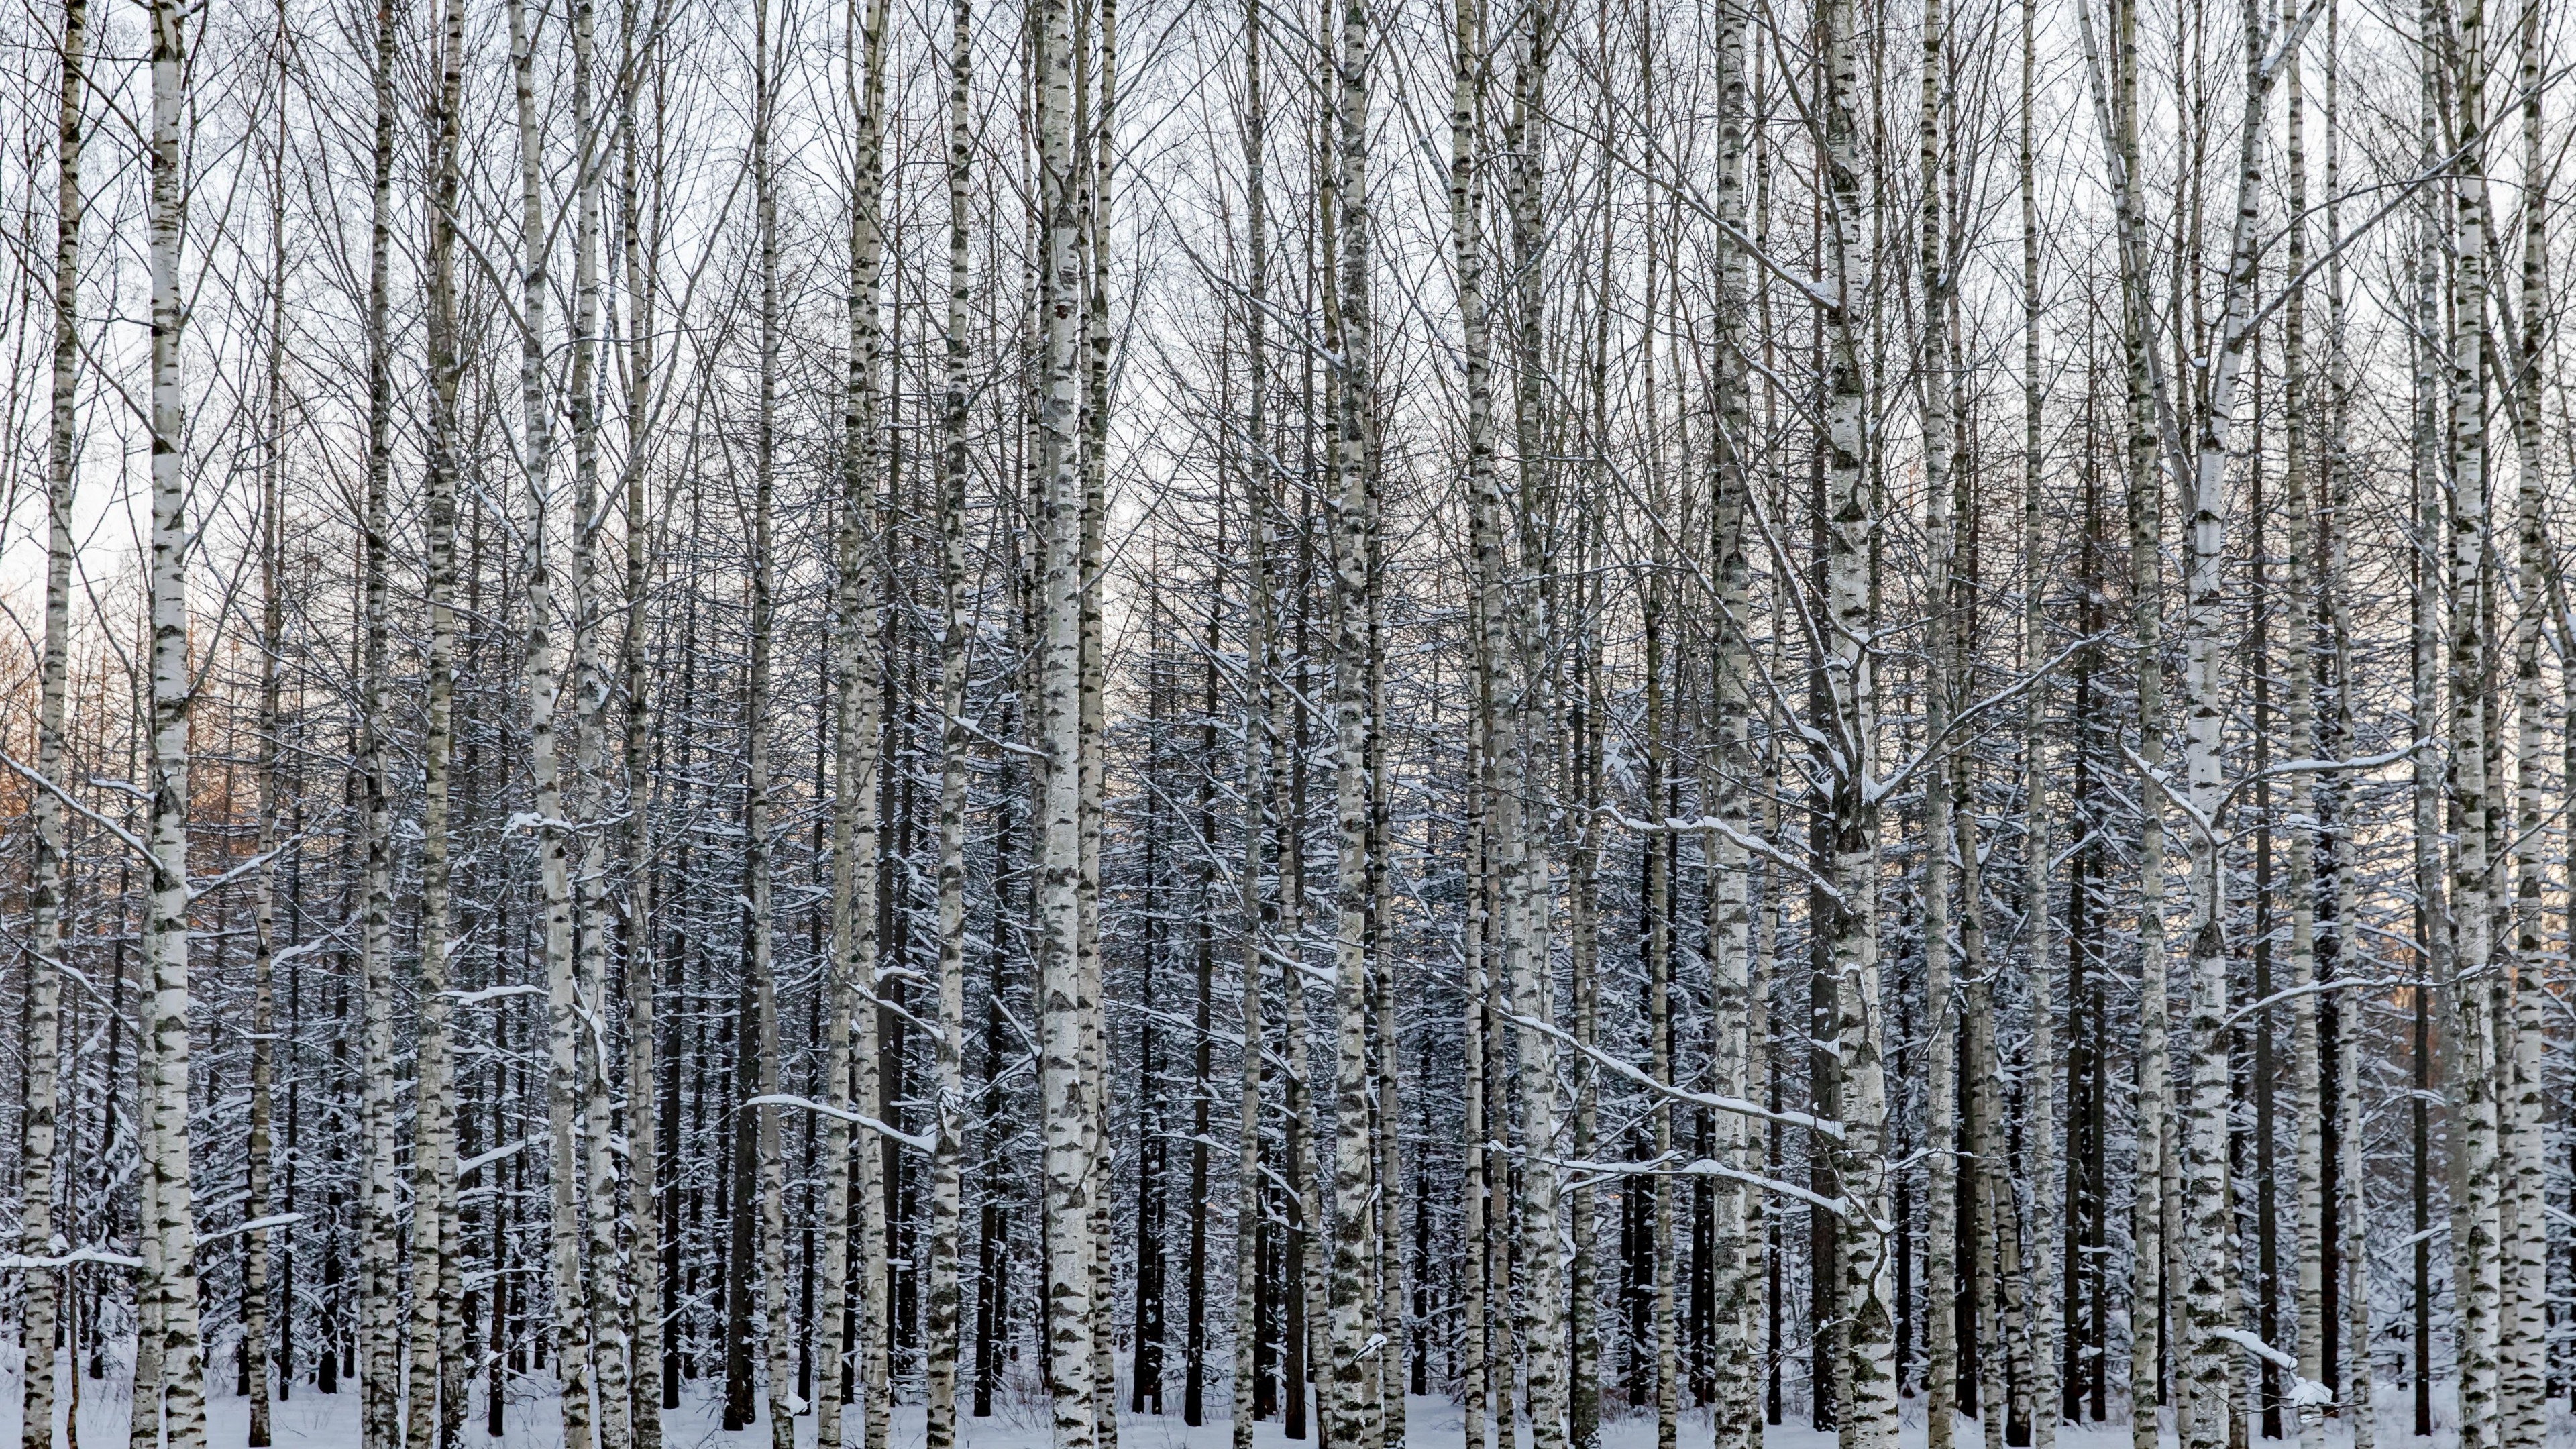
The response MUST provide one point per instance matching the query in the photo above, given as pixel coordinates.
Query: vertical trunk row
(864, 1216)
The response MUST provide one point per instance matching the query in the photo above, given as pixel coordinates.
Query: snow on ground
(330, 1421)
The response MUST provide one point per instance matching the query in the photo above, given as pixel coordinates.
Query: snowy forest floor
(313, 1420)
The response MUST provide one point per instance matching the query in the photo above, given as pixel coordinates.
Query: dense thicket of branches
(1847, 710)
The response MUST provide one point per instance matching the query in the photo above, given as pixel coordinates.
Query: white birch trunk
(541, 668)
(1865, 1239)
(38, 1315)
(940, 1427)
(2299, 625)
(169, 1222)
(1940, 1111)
(1066, 1110)
(643, 1194)
(758, 871)
(380, 1378)
(1259, 727)
(611, 1366)
(2475, 1165)
(2524, 1411)
(433, 1349)
(2354, 1393)
(2210, 1228)
(1993, 1286)
(1353, 1424)
(256, 1313)
(1736, 1211)
(1095, 90)
(1525, 716)
(1467, 256)
(2040, 1132)
(850, 1056)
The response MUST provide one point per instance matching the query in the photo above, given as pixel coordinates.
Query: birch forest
(1395, 724)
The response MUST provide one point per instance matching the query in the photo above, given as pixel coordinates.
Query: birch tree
(169, 1225)
(955, 638)
(381, 1377)
(1348, 513)
(542, 678)
(37, 1236)
(435, 1350)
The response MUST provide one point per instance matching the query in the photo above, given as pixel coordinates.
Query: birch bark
(2040, 1137)
(2524, 1274)
(1063, 1017)
(1526, 715)
(947, 1158)
(868, 347)
(170, 1218)
(434, 1358)
(758, 872)
(1259, 726)
(1468, 71)
(38, 1315)
(2436, 944)
(1353, 1424)
(1095, 151)
(1940, 1111)
(541, 668)
(951, 867)
(381, 1379)
(643, 1191)
(2150, 1322)
(2300, 627)
(1863, 1232)
(2352, 1215)
(607, 1282)
(1734, 1237)
(2472, 1085)
(256, 1327)
(2210, 1227)
(851, 1064)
